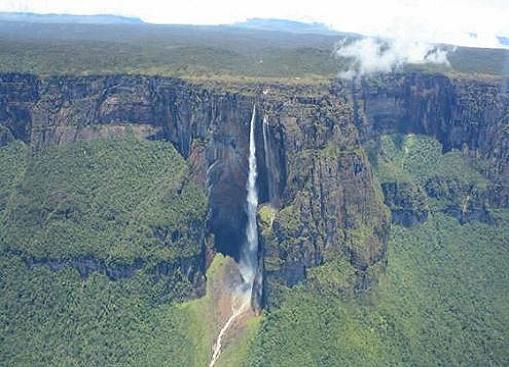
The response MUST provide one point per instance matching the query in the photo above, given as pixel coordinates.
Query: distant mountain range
(68, 18)
(284, 25)
(264, 24)
(279, 25)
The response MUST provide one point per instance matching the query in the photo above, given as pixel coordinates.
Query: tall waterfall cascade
(248, 264)
(249, 251)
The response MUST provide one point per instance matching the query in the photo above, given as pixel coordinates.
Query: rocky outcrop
(18, 95)
(206, 126)
(329, 206)
(182, 278)
(407, 202)
(6, 136)
(471, 115)
(464, 201)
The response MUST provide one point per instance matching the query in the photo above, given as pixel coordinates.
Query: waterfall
(248, 264)
(249, 251)
(266, 148)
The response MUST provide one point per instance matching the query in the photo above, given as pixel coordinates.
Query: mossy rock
(266, 215)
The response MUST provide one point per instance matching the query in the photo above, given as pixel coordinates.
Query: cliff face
(469, 115)
(329, 207)
(18, 94)
(312, 166)
(204, 126)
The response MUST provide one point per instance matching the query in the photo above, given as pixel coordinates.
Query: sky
(474, 23)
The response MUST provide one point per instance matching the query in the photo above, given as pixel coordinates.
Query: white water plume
(249, 251)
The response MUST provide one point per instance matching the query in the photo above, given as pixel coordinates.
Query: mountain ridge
(30, 17)
(286, 25)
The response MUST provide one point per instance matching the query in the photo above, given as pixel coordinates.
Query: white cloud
(372, 55)
(451, 21)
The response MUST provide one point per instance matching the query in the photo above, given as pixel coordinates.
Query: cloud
(374, 55)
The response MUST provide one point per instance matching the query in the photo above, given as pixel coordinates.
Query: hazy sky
(451, 21)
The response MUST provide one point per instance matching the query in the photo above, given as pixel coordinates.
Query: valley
(250, 217)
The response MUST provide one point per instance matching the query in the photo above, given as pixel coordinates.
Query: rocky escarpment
(313, 169)
(407, 202)
(18, 94)
(469, 115)
(330, 207)
(465, 202)
(180, 279)
(63, 110)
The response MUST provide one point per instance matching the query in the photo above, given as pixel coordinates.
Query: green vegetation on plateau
(426, 178)
(443, 300)
(183, 51)
(211, 52)
(109, 200)
(120, 200)
(417, 158)
(52, 318)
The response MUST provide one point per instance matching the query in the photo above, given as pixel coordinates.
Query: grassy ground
(238, 351)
